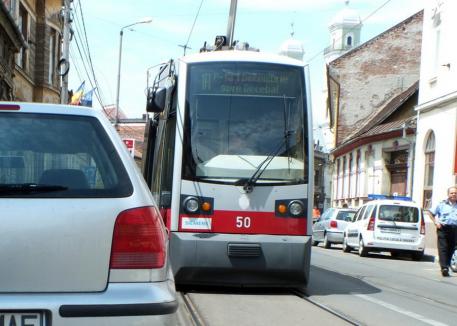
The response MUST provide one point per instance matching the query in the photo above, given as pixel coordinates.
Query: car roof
(392, 202)
(26, 107)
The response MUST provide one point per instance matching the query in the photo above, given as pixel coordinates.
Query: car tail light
(422, 225)
(138, 240)
(371, 224)
(333, 224)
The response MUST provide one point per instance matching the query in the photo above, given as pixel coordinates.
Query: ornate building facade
(34, 69)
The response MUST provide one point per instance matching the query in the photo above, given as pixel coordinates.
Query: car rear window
(345, 216)
(399, 213)
(59, 156)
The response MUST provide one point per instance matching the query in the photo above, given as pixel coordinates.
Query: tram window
(163, 167)
(168, 156)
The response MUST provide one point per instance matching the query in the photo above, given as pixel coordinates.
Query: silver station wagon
(329, 228)
(81, 239)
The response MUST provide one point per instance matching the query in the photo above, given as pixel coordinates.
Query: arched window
(429, 169)
(349, 41)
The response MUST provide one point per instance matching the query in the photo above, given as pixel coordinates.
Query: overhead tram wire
(86, 60)
(85, 57)
(84, 45)
(72, 55)
(353, 28)
(186, 46)
(86, 70)
(82, 50)
(98, 88)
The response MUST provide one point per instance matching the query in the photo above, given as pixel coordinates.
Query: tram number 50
(243, 222)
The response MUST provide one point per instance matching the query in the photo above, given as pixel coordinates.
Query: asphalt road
(381, 290)
(375, 290)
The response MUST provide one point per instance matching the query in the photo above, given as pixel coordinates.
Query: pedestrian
(316, 214)
(445, 216)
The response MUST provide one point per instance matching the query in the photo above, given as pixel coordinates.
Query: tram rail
(193, 316)
(303, 295)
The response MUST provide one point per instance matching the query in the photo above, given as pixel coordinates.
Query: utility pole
(231, 23)
(64, 63)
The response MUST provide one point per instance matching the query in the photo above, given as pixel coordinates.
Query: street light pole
(121, 33)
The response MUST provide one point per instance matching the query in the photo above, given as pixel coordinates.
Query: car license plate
(21, 318)
(389, 230)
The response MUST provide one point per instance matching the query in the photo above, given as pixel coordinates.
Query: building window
(343, 183)
(337, 184)
(349, 177)
(23, 24)
(429, 169)
(53, 55)
(357, 173)
(349, 41)
(10, 6)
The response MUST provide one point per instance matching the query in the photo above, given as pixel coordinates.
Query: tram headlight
(191, 205)
(296, 208)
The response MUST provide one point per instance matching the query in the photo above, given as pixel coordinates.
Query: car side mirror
(156, 99)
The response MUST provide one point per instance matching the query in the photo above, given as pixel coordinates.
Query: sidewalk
(430, 238)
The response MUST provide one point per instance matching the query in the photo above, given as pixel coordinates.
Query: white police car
(395, 225)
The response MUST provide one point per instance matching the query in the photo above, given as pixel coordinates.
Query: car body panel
(56, 247)
(388, 234)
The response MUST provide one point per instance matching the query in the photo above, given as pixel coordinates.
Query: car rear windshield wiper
(27, 188)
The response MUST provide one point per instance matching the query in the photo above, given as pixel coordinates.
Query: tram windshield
(243, 120)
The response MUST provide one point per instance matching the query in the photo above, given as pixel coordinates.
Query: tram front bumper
(240, 260)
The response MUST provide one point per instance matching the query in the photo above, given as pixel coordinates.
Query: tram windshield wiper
(248, 183)
(28, 188)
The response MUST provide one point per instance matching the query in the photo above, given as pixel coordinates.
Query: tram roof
(236, 55)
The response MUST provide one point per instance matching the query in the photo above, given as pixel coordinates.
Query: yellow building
(35, 71)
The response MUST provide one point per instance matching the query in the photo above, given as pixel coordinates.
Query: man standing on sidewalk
(446, 225)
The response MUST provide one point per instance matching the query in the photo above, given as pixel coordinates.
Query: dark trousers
(447, 243)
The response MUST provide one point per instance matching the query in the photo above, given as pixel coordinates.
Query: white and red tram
(229, 158)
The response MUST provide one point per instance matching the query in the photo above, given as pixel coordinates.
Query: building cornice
(437, 102)
(360, 141)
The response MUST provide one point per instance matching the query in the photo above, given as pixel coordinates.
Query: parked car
(82, 241)
(329, 228)
(396, 226)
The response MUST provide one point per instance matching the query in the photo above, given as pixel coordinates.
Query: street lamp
(144, 21)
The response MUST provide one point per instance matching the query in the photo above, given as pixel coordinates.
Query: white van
(394, 225)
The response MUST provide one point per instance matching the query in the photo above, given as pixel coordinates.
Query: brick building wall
(364, 80)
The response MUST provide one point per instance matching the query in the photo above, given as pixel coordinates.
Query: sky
(264, 24)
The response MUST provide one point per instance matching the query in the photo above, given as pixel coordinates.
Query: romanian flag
(76, 98)
(86, 99)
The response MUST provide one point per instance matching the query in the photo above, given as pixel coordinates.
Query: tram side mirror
(156, 100)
